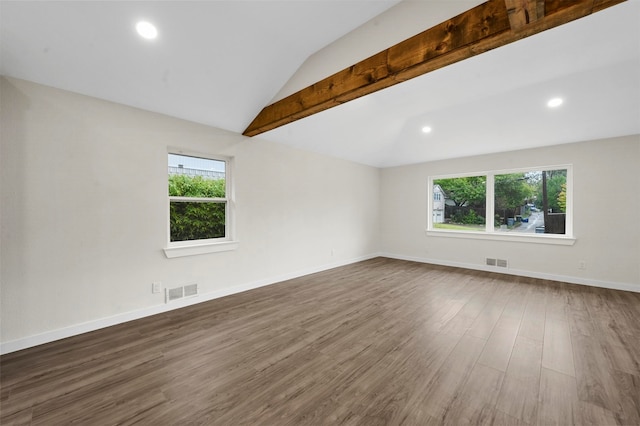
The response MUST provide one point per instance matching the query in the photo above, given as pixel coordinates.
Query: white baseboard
(531, 274)
(50, 336)
(62, 333)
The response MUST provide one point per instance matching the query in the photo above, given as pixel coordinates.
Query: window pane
(531, 202)
(196, 221)
(196, 177)
(459, 203)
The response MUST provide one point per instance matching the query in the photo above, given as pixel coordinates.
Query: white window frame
(490, 232)
(209, 245)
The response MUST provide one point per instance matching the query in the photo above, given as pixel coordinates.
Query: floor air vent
(501, 263)
(180, 292)
(190, 290)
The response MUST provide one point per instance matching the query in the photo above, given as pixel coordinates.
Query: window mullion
(490, 203)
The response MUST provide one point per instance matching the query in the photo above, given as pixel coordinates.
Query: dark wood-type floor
(381, 342)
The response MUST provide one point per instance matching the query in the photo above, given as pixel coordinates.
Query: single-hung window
(198, 199)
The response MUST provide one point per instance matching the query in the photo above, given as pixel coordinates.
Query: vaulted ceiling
(220, 62)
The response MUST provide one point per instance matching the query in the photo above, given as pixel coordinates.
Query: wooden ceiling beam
(487, 26)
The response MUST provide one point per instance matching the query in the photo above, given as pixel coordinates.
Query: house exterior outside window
(438, 204)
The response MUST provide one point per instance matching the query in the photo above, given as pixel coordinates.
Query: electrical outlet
(582, 264)
(156, 287)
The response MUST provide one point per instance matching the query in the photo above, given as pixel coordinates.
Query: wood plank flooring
(380, 342)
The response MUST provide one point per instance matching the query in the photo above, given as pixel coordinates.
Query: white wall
(83, 213)
(606, 222)
(84, 220)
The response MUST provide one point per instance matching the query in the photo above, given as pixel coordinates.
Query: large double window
(199, 200)
(533, 202)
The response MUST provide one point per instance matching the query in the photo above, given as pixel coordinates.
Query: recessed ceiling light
(554, 103)
(147, 30)
(426, 129)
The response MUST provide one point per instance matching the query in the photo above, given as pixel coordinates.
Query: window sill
(196, 249)
(536, 239)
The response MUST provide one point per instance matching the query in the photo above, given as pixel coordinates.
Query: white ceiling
(214, 62)
(220, 62)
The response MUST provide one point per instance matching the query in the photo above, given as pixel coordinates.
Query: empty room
(320, 212)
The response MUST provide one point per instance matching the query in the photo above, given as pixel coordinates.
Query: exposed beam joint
(523, 12)
(487, 26)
